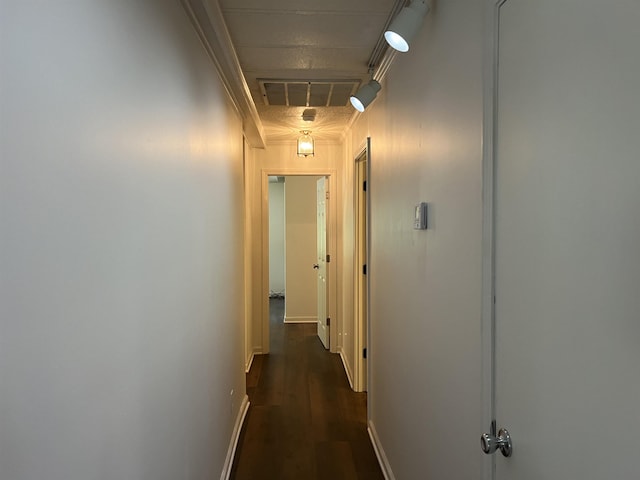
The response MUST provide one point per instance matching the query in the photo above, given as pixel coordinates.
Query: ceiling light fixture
(365, 95)
(405, 26)
(305, 144)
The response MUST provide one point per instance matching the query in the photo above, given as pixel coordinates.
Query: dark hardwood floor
(304, 421)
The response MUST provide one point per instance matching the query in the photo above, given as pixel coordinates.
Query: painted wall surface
(347, 334)
(121, 328)
(301, 304)
(276, 239)
(281, 158)
(425, 133)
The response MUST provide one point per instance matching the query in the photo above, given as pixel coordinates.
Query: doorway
(308, 266)
(297, 249)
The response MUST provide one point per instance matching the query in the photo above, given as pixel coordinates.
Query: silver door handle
(490, 443)
(316, 266)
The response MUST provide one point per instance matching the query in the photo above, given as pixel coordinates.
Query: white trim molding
(345, 364)
(382, 458)
(301, 319)
(208, 22)
(249, 362)
(233, 445)
(361, 284)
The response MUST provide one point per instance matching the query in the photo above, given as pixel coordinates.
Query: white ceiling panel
(318, 30)
(334, 62)
(307, 40)
(361, 6)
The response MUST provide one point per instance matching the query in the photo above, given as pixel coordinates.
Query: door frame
(361, 285)
(332, 250)
(489, 132)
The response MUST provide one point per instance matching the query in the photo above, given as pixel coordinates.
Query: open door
(566, 234)
(321, 265)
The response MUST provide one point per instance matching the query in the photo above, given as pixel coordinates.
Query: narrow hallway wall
(121, 332)
(425, 355)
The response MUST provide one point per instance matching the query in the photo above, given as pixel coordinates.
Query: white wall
(301, 303)
(425, 355)
(121, 209)
(276, 239)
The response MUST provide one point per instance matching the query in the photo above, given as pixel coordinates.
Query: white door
(321, 265)
(567, 239)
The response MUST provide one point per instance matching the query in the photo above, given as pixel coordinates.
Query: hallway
(304, 420)
(136, 144)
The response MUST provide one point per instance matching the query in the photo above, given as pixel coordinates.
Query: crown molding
(208, 22)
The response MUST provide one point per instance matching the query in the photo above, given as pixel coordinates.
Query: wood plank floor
(304, 422)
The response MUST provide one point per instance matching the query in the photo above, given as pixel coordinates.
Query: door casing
(361, 257)
(332, 269)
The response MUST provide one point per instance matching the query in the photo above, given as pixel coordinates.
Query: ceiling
(282, 45)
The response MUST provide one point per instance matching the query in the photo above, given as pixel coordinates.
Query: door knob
(316, 266)
(491, 443)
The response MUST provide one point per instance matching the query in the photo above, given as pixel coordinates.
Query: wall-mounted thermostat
(420, 222)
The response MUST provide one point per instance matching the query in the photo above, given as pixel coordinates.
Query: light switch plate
(421, 216)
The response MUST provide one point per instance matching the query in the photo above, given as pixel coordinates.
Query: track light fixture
(365, 95)
(406, 24)
(305, 144)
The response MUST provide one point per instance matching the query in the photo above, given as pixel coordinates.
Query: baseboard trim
(233, 445)
(300, 319)
(249, 363)
(346, 368)
(382, 458)
(247, 367)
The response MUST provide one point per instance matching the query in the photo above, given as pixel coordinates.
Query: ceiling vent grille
(297, 93)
